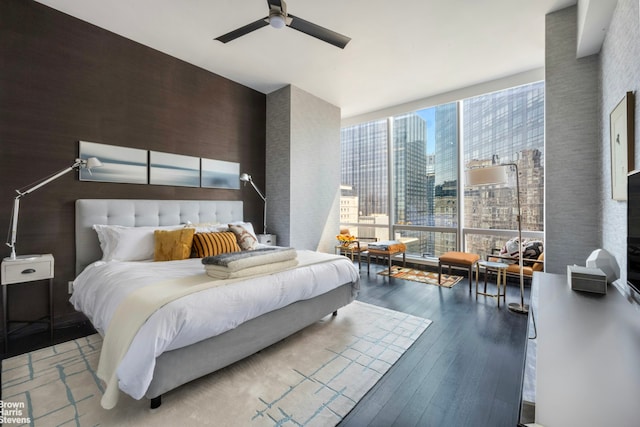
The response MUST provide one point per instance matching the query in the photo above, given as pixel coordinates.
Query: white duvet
(102, 286)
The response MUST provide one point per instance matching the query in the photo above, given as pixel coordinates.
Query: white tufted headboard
(138, 213)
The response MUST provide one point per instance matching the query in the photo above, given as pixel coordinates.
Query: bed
(178, 363)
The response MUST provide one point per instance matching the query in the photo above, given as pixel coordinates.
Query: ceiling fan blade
(318, 32)
(232, 35)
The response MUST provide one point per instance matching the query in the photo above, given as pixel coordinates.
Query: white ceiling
(400, 51)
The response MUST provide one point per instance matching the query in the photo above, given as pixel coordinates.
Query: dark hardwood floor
(465, 370)
(38, 336)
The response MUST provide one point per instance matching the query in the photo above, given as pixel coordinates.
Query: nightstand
(267, 239)
(22, 270)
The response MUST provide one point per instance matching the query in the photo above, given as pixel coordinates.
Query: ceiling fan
(278, 18)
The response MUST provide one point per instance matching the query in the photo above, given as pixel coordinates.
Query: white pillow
(103, 238)
(120, 243)
(207, 227)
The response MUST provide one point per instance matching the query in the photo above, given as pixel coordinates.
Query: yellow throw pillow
(171, 245)
(210, 244)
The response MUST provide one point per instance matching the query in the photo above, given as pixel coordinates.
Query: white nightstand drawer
(267, 239)
(27, 270)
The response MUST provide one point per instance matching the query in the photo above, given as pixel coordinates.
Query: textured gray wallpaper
(278, 163)
(572, 147)
(619, 73)
(303, 169)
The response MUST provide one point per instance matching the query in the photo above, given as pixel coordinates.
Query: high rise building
(364, 165)
(410, 166)
(446, 165)
(349, 208)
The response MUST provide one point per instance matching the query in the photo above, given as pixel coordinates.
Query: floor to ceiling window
(504, 127)
(400, 174)
(425, 179)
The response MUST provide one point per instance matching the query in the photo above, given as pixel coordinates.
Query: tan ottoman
(458, 259)
(387, 248)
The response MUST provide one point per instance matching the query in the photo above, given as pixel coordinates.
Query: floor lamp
(92, 162)
(498, 175)
(245, 177)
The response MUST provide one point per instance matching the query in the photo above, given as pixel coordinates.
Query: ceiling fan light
(276, 20)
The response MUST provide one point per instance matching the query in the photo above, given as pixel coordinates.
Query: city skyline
(505, 126)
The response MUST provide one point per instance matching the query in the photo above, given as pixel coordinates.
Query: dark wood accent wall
(63, 80)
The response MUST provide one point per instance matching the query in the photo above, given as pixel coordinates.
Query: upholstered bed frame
(177, 367)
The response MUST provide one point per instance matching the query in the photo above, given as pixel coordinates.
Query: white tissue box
(586, 279)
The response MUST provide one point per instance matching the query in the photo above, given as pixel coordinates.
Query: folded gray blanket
(238, 260)
(383, 245)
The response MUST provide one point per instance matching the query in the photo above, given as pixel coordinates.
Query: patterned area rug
(421, 276)
(313, 378)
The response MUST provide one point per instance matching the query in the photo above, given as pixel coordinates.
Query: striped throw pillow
(210, 244)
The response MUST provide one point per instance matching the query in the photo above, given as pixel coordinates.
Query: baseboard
(528, 414)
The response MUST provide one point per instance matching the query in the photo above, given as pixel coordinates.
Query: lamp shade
(245, 177)
(487, 176)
